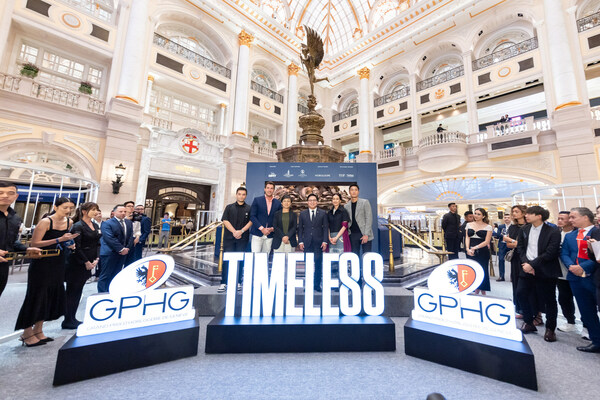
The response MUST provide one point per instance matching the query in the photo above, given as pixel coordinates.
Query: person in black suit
(538, 247)
(139, 242)
(451, 227)
(313, 229)
(462, 231)
(82, 260)
(284, 225)
(115, 244)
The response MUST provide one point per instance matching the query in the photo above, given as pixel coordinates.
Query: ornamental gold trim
(364, 73)
(293, 69)
(245, 38)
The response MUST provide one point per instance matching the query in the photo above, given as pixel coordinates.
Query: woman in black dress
(517, 213)
(82, 261)
(45, 296)
(477, 243)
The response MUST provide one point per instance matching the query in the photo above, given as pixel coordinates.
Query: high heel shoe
(24, 343)
(46, 339)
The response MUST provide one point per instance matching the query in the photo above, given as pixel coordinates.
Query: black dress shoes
(500, 280)
(550, 336)
(70, 324)
(592, 348)
(528, 328)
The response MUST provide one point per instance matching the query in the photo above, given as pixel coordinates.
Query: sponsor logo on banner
(288, 174)
(135, 299)
(448, 301)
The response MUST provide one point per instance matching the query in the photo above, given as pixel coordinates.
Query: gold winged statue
(311, 57)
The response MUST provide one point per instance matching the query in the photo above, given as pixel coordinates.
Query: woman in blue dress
(477, 242)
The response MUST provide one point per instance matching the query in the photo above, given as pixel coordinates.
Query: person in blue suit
(115, 244)
(581, 266)
(313, 235)
(502, 249)
(262, 212)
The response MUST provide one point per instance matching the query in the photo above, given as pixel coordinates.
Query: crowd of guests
(85, 244)
(270, 224)
(544, 259)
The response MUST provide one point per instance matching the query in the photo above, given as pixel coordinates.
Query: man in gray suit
(361, 221)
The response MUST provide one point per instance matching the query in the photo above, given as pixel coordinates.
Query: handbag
(509, 255)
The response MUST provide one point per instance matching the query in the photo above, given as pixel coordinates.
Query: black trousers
(318, 252)
(237, 246)
(356, 245)
(515, 269)
(453, 245)
(4, 267)
(76, 277)
(565, 299)
(542, 289)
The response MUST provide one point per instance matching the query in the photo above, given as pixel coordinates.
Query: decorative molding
(10, 129)
(293, 69)
(364, 73)
(92, 147)
(245, 38)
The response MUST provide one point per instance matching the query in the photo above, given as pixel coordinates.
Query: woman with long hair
(338, 225)
(477, 243)
(82, 261)
(45, 296)
(284, 228)
(517, 212)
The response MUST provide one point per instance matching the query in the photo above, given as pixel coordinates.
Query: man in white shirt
(539, 248)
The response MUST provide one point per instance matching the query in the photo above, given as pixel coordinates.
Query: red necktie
(582, 246)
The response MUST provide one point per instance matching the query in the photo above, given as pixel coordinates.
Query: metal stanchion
(221, 249)
(391, 244)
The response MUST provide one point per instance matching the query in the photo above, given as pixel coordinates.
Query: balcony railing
(443, 138)
(345, 114)
(273, 95)
(302, 108)
(101, 9)
(263, 150)
(441, 78)
(504, 54)
(28, 87)
(398, 94)
(589, 22)
(194, 57)
(390, 153)
(511, 128)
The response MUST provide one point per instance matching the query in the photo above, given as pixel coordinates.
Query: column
(473, 120)
(292, 106)
(240, 106)
(7, 13)
(415, 118)
(365, 130)
(148, 94)
(222, 111)
(540, 27)
(142, 183)
(134, 53)
(561, 59)
(579, 66)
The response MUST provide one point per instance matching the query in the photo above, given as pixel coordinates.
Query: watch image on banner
(135, 300)
(448, 302)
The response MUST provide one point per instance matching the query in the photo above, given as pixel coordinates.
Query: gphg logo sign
(135, 301)
(447, 302)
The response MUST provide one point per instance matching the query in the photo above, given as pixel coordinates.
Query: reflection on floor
(201, 268)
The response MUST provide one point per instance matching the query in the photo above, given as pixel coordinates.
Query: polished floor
(563, 372)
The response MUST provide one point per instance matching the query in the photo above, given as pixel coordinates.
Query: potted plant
(255, 138)
(274, 144)
(29, 70)
(85, 87)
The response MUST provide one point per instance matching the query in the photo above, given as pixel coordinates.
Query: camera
(136, 216)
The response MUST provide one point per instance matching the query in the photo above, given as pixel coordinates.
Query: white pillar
(292, 106)
(148, 94)
(222, 111)
(561, 59)
(7, 13)
(544, 48)
(142, 184)
(577, 56)
(240, 106)
(415, 118)
(134, 53)
(365, 130)
(473, 121)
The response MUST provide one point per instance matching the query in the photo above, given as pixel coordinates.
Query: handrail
(423, 245)
(443, 138)
(504, 54)
(270, 93)
(589, 22)
(191, 55)
(441, 78)
(345, 114)
(395, 95)
(183, 243)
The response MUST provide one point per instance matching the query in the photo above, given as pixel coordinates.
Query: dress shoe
(537, 321)
(500, 280)
(528, 328)
(24, 343)
(550, 336)
(592, 348)
(70, 325)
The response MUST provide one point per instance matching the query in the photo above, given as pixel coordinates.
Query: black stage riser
(501, 359)
(107, 353)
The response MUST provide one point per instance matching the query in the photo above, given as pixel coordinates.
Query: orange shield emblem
(466, 277)
(156, 269)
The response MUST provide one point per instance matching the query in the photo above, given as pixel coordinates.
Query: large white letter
(268, 289)
(309, 283)
(373, 283)
(247, 286)
(232, 270)
(328, 284)
(292, 284)
(349, 283)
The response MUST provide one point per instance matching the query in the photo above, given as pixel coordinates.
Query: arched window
(396, 87)
(351, 104)
(387, 10)
(503, 45)
(261, 77)
(193, 44)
